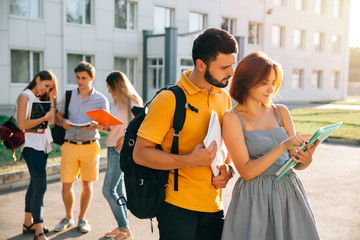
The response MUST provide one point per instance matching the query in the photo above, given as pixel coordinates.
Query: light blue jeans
(113, 188)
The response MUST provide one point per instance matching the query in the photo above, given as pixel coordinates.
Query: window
(78, 11)
(279, 2)
(254, 33)
(320, 6)
(278, 36)
(338, 8)
(127, 66)
(336, 43)
(72, 61)
(24, 65)
(156, 73)
(299, 39)
(228, 24)
(319, 39)
(163, 18)
(316, 79)
(125, 14)
(25, 8)
(297, 79)
(197, 21)
(300, 4)
(335, 79)
(186, 64)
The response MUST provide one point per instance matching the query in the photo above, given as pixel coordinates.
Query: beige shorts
(83, 159)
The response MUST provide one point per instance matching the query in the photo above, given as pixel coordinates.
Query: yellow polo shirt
(195, 189)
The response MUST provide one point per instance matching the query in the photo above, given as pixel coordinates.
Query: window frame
(300, 79)
(320, 47)
(31, 66)
(169, 15)
(84, 57)
(281, 37)
(318, 82)
(160, 77)
(258, 35)
(83, 17)
(40, 9)
(128, 68)
(204, 21)
(335, 83)
(321, 10)
(336, 45)
(230, 23)
(301, 45)
(129, 4)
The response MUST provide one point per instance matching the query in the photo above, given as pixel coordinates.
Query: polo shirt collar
(191, 88)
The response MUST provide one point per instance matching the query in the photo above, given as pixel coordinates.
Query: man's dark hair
(211, 42)
(85, 67)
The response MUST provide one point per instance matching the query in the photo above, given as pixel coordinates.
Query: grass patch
(350, 100)
(307, 120)
(7, 164)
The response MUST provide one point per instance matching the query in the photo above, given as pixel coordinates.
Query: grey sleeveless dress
(264, 207)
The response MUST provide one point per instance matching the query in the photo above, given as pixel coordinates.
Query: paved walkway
(332, 183)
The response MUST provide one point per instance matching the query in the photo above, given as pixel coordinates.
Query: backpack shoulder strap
(67, 102)
(178, 123)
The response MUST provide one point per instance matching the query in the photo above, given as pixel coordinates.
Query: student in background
(124, 98)
(36, 147)
(80, 152)
(260, 137)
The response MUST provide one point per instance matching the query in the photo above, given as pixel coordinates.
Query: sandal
(37, 236)
(124, 235)
(109, 234)
(28, 229)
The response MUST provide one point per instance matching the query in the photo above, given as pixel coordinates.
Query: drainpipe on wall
(64, 68)
(170, 54)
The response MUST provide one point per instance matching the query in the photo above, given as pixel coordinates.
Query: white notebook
(214, 134)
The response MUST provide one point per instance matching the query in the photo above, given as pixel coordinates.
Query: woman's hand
(53, 92)
(304, 157)
(295, 141)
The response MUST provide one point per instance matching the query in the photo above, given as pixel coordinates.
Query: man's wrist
(231, 170)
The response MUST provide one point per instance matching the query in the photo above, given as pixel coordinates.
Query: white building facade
(308, 37)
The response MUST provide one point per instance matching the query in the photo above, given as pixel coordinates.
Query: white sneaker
(84, 225)
(64, 224)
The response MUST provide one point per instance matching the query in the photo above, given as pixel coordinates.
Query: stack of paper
(214, 134)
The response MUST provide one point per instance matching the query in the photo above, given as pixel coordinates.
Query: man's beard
(210, 79)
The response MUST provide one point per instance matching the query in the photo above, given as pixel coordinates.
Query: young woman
(260, 139)
(124, 98)
(36, 147)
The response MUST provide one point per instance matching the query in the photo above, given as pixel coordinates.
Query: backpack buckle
(141, 182)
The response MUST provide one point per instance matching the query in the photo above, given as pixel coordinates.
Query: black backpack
(145, 187)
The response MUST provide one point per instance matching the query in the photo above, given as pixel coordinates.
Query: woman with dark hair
(260, 137)
(36, 147)
(124, 98)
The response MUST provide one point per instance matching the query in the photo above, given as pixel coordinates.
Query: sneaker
(64, 224)
(84, 225)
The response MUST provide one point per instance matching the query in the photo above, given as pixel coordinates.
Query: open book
(214, 134)
(37, 110)
(77, 125)
(104, 117)
(321, 134)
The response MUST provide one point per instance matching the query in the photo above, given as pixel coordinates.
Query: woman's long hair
(43, 75)
(123, 91)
